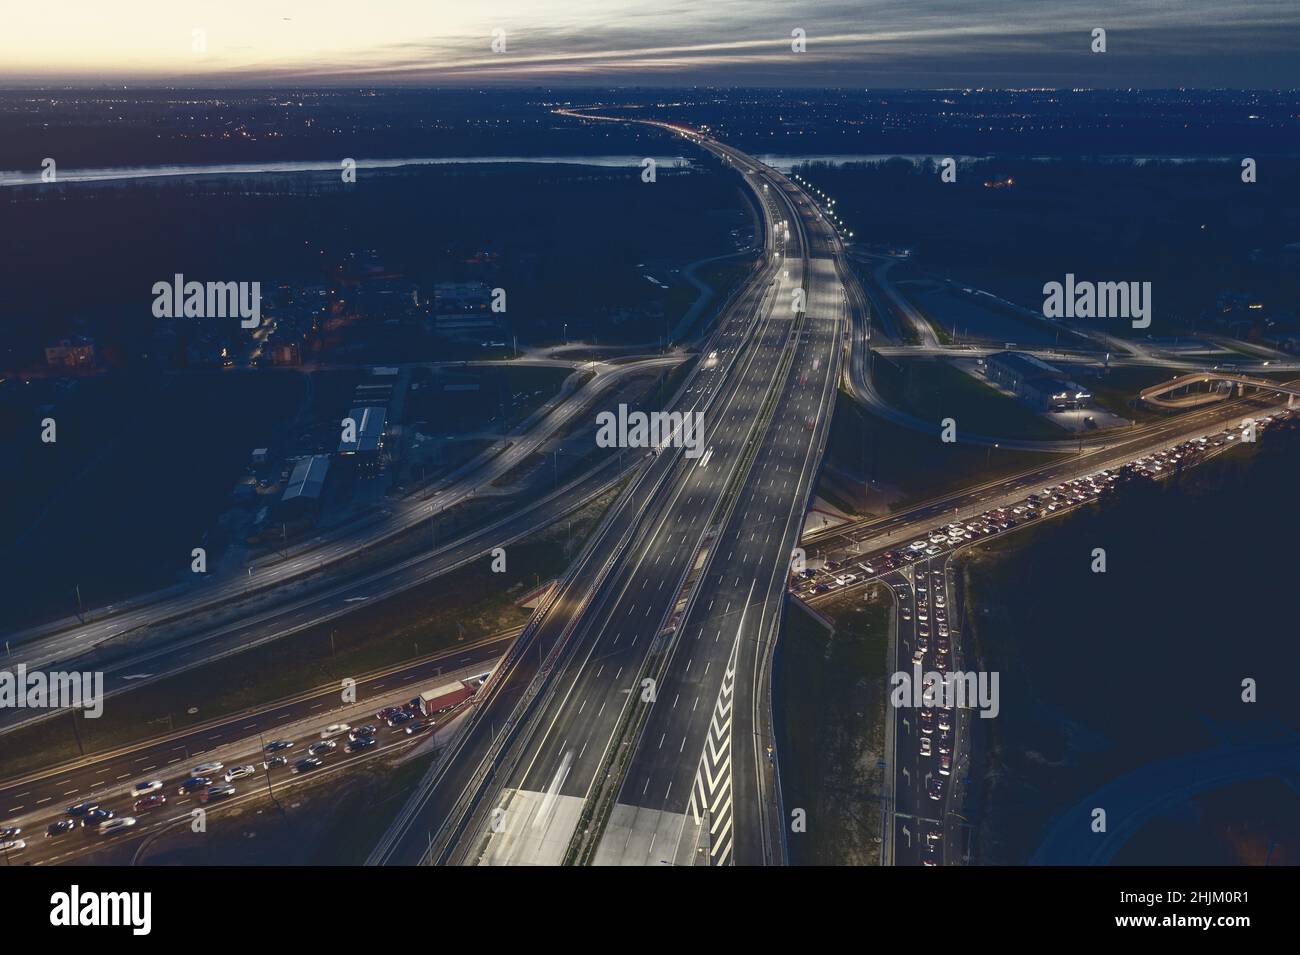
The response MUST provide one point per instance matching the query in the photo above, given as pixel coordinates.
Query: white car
(239, 772)
(145, 788)
(13, 845)
(334, 729)
(925, 746)
(206, 769)
(116, 825)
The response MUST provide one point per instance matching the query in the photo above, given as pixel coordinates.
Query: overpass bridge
(1181, 393)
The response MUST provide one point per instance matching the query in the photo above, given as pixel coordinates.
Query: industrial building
(1035, 381)
(302, 496)
(368, 447)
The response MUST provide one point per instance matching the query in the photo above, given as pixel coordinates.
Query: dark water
(1124, 689)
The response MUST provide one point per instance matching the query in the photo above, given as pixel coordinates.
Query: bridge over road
(1181, 393)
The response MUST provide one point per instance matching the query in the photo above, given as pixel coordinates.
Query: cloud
(675, 42)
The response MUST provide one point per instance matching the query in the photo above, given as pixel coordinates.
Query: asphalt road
(614, 619)
(153, 617)
(35, 799)
(168, 653)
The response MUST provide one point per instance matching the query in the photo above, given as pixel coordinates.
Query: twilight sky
(875, 43)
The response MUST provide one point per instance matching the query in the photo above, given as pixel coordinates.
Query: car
(274, 761)
(216, 793)
(322, 748)
(945, 719)
(417, 726)
(96, 818)
(81, 808)
(923, 642)
(906, 613)
(945, 764)
(145, 788)
(152, 801)
(334, 729)
(117, 825)
(930, 848)
(388, 711)
(935, 789)
(360, 743)
(397, 719)
(918, 658)
(927, 723)
(12, 845)
(239, 772)
(193, 784)
(278, 744)
(206, 769)
(925, 746)
(362, 731)
(59, 826)
(305, 765)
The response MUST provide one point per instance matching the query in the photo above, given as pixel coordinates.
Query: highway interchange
(631, 721)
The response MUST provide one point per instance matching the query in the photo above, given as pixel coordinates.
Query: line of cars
(212, 781)
(844, 571)
(932, 652)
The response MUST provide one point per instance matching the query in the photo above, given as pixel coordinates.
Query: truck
(441, 698)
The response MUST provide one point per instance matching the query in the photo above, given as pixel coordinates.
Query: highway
(542, 740)
(723, 656)
(35, 799)
(220, 602)
(194, 641)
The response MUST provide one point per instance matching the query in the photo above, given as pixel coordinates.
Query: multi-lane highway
(554, 751)
(34, 800)
(195, 643)
(133, 630)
